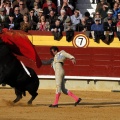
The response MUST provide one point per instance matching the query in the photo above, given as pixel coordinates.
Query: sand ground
(94, 106)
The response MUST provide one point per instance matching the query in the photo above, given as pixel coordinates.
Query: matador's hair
(55, 48)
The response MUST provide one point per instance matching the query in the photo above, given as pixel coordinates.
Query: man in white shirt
(76, 17)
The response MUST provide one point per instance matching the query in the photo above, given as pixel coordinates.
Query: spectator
(48, 8)
(40, 13)
(63, 16)
(118, 27)
(47, 3)
(98, 31)
(89, 21)
(117, 1)
(110, 15)
(82, 27)
(100, 5)
(39, 2)
(2, 17)
(33, 19)
(25, 25)
(97, 15)
(43, 25)
(109, 28)
(18, 17)
(67, 7)
(57, 29)
(118, 17)
(23, 9)
(68, 26)
(8, 7)
(51, 17)
(75, 18)
(36, 9)
(67, 3)
(15, 3)
(103, 11)
(10, 23)
(116, 10)
(69, 29)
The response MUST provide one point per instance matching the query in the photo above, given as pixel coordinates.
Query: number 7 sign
(81, 41)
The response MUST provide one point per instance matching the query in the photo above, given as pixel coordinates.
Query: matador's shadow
(96, 105)
(90, 104)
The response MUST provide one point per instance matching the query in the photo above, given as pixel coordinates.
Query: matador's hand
(73, 60)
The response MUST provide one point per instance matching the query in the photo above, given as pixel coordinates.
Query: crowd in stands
(61, 15)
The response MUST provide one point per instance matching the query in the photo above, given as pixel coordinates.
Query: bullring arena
(92, 79)
(94, 106)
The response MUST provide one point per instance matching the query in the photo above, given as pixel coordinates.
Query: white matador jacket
(57, 64)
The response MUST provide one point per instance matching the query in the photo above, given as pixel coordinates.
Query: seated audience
(103, 11)
(116, 10)
(33, 19)
(36, 9)
(49, 2)
(82, 27)
(43, 25)
(46, 10)
(89, 21)
(98, 31)
(51, 17)
(8, 7)
(67, 3)
(75, 18)
(63, 16)
(57, 29)
(110, 14)
(2, 17)
(15, 3)
(10, 22)
(18, 17)
(109, 28)
(118, 29)
(39, 3)
(97, 15)
(25, 25)
(67, 7)
(40, 13)
(69, 29)
(100, 5)
(23, 9)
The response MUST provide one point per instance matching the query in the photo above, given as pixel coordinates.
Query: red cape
(20, 45)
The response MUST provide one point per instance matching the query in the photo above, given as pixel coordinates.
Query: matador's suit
(59, 71)
(57, 64)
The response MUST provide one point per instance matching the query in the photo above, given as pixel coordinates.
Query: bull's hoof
(29, 102)
(33, 97)
(17, 99)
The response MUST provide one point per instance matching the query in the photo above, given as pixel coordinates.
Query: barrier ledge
(81, 77)
(82, 83)
(44, 38)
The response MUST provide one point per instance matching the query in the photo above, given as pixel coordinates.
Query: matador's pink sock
(56, 98)
(73, 96)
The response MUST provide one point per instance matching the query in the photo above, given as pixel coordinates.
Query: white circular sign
(80, 41)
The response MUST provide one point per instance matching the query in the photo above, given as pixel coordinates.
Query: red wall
(104, 62)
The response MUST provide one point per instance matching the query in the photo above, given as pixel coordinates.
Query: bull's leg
(32, 98)
(19, 96)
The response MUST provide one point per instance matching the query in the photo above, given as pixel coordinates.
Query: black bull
(13, 74)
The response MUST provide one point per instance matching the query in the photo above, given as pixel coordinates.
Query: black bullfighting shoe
(53, 106)
(76, 103)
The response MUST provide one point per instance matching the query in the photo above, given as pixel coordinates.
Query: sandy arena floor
(94, 106)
